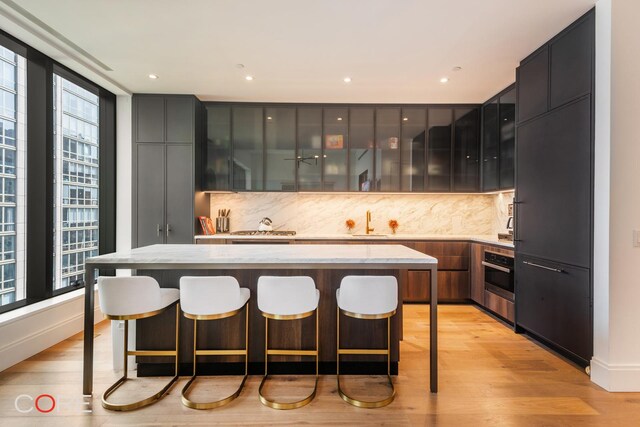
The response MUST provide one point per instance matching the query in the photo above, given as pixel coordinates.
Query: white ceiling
(298, 50)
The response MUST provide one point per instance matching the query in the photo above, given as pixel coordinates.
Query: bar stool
(287, 298)
(213, 298)
(368, 298)
(138, 297)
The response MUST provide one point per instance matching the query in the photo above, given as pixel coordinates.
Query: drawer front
(453, 286)
(499, 305)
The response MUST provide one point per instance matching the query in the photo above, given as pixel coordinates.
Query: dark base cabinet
(556, 305)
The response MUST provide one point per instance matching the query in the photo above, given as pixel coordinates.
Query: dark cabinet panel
(439, 149)
(361, 145)
(336, 141)
(490, 147)
(555, 305)
(477, 273)
(533, 85)
(280, 146)
(310, 149)
(571, 63)
(388, 149)
(248, 149)
(413, 149)
(149, 118)
(217, 167)
(179, 119)
(179, 194)
(507, 139)
(149, 185)
(553, 216)
(466, 174)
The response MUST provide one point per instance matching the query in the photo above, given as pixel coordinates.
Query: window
(76, 160)
(12, 176)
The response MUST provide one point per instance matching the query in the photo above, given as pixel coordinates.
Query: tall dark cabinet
(166, 131)
(554, 192)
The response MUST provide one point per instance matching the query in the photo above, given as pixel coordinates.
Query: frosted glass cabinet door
(490, 146)
(388, 149)
(507, 139)
(336, 141)
(248, 149)
(439, 149)
(361, 149)
(217, 167)
(309, 156)
(280, 145)
(413, 149)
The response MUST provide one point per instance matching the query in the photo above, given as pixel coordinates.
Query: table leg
(87, 372)
(433, 330)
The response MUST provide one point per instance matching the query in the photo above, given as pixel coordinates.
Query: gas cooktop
(263, 233)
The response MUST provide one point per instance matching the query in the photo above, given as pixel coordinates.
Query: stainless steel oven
(498, 274)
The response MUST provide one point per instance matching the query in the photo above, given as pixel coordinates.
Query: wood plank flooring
(489, 376)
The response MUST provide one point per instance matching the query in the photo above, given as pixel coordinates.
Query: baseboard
(615, 377)
(34, 332)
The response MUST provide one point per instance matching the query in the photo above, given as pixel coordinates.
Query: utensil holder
(222, 224)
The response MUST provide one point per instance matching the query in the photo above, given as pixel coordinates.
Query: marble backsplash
(315, 213)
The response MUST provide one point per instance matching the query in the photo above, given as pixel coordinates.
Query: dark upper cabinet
(149, 119)
(217, 161)
(361, 149)
(336, 140)
(413, 146)
(533, 85)
(553, 214)
(248, 149)
(439, 149)
(490, 147)
(179, 119)
(466, 150)
(388, 149)
(309, 157)
(280, 147)
(571, 63)
(507, 125)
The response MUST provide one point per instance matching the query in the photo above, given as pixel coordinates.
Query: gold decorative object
(393, 224)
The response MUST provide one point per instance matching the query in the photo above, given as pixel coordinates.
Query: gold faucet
(369, 229)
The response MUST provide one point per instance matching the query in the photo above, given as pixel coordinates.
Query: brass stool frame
(147, 353)
(353, 401)
(217, 403)
(273, 352)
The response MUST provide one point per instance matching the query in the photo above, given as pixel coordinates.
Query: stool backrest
(209, 294)
(368, 294)
(128, 295)
(287, 295)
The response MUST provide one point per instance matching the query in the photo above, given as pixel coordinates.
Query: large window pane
(12, 176)
(76, 180)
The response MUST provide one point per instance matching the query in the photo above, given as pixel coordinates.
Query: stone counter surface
(485, 239)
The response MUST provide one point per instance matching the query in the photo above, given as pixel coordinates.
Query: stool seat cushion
(126, 296)
(370, 295)
(210, 295)
(287, 295)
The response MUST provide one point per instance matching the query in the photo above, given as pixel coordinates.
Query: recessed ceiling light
(444, 79)
(404, 119)
(347, 79)
(269, 118)
(153, 76)
(339, 119)
(249, 78)
(456, 68)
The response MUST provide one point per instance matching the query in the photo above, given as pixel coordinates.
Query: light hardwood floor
(488, 377)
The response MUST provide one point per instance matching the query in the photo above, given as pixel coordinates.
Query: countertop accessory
(369, 229)
(393, 225)
(350, 224)
(265, 224)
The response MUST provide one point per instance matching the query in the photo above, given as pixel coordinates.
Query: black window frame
(40, 170)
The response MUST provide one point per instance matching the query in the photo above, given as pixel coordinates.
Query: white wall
(616, 362)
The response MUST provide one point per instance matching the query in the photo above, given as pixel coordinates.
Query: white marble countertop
(488, 239)
(267, 256)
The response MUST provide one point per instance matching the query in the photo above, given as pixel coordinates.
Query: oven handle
(497, 267)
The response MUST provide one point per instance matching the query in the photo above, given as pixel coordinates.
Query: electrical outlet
(636, 238)
(510, 209)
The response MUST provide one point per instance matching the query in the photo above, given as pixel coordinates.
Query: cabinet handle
(497, 267)
(532, 264)
(516, 236)
(168, 229)
(158, 230)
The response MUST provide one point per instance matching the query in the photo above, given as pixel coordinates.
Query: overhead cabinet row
(342, 148)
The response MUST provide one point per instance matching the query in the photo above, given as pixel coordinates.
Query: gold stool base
(365, 403)
(286, 405)
(133, 405)
(209, 405)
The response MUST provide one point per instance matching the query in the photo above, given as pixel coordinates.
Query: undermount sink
(378, 235)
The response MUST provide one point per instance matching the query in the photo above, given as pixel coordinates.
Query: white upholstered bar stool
(368, 298)
(213, 298)
(130, 298)
(287, 298)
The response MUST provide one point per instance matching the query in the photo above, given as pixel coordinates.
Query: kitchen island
(326, 264)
